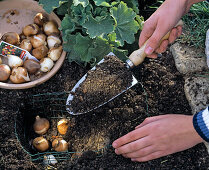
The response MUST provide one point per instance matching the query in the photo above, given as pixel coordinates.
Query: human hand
(158, 136)
(160, 23)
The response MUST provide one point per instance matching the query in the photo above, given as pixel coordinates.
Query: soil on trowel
(109, 79)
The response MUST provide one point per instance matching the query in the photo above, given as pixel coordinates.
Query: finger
(153, 55)
(151, 119)
(173, 35)
(147, 31)
(149, 157)
(154, 40)
(163, 47)
(130, 137)
(134, 146)
(141, 152)
(179, 28)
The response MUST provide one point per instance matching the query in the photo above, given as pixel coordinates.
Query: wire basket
(48, 105)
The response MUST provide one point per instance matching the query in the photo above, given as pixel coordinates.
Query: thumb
(154, 41)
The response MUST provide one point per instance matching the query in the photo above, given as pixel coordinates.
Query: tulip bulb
(55, 53)
(26, 45)
(39, 19)
(60, 145)
(62, 126)
(38, 40)
(46, 64)
(40, 52)
(14, 61)
(19, 75)
(41, 125)
(4, 72)
(51, 28)
(41, 144)
(31, 29)
(32, 66)
(53, 41)
(11, 38)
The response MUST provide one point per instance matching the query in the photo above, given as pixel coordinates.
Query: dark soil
(162, 93)
(108, 79)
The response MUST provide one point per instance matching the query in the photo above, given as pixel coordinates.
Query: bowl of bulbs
(25, 25)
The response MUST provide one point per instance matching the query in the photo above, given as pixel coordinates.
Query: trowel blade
(71, 95)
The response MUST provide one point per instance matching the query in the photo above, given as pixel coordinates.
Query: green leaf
(63, 9)
(121, 54)
(50, 5)
(140, 20)
(80, 13)
(101, 12)
(102, 3)
(82, 47)
(132, 4)
(67, 25)
(101, 47)
(69, 41)
(113, 39)
(98, 26)
(82, 2)
(126, 26)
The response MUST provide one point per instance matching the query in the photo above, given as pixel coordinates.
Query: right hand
(160, 23)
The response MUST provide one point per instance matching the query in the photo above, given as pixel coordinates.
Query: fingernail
(149, 50)
(133, 159)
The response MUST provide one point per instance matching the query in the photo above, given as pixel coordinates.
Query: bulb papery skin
(53, 41)
(51, 28)
(14, 61)
(46, 64)
(4, 72)
(55, 53)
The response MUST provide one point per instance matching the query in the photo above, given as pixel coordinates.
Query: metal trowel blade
(71, 95)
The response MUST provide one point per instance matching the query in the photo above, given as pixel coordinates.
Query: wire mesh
(53, 107)
(50, 106)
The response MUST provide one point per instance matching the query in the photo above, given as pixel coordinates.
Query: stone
(197, 92)
(188, 59)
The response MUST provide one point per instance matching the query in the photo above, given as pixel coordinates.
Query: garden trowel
(136, 58)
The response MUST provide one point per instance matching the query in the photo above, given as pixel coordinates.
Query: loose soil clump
(107, 80)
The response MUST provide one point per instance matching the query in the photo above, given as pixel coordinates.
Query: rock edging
(188, 61)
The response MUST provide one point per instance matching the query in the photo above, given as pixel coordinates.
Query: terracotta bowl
(14, 22)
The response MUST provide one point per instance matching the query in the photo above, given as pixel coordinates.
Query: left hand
(158, 136)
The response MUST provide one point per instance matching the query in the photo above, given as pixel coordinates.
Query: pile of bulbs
(41, 126)
(42, 40)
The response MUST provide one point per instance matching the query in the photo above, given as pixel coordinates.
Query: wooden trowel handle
(138, 56)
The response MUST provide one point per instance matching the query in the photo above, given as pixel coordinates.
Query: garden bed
(160, 91)
(164, 93)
